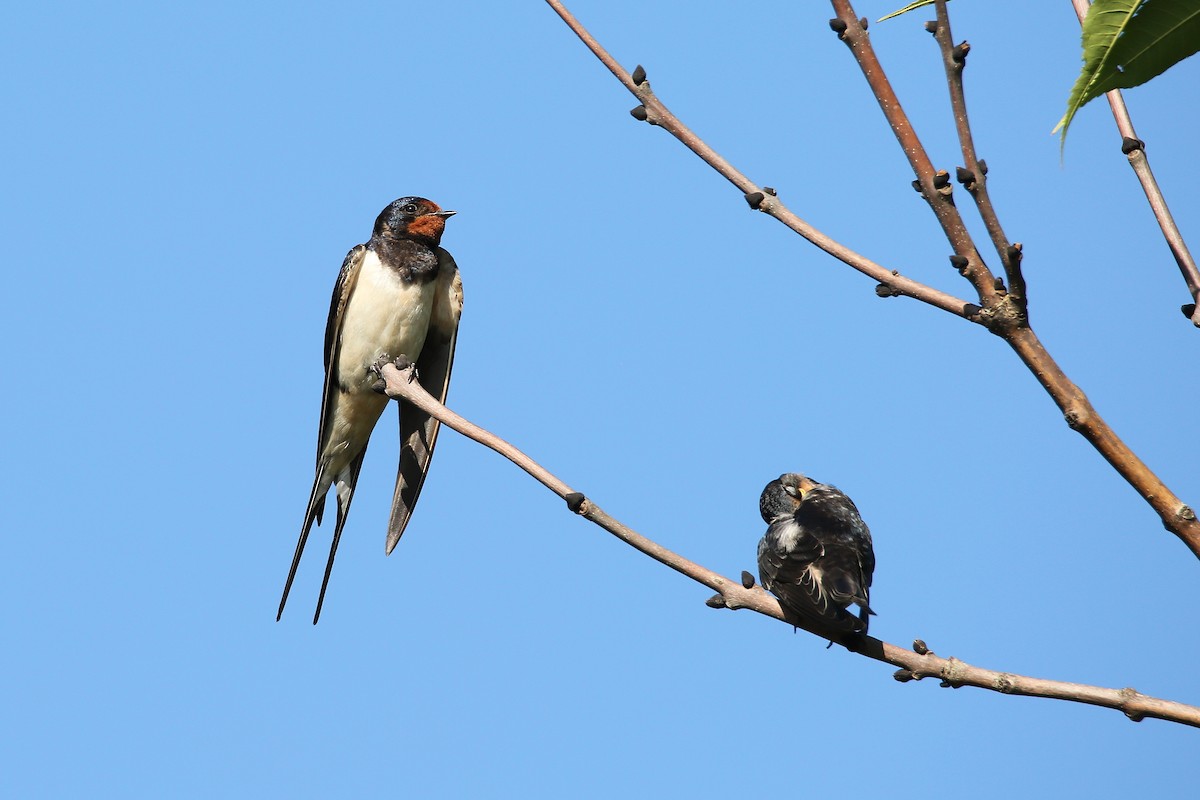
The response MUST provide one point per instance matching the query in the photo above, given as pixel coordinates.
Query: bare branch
(1001, 312)
(763, 199)
(935, 185)
(914, 664)
(973, 175)
(1135, 150)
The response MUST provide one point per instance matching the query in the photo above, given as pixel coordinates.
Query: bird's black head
(783, 496)
(821, 503)
(412, 218)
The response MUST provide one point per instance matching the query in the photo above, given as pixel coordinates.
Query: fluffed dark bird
(397, 295)
(816, 556)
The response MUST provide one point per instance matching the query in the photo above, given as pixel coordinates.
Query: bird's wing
(785, 553)
(867, 551)
(859, 563)
(418, 430)
(788, 568)
(347, 278)
(333, 333)
(342, 290)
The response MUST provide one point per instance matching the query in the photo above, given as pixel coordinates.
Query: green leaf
(1128, 42)
(906, 9)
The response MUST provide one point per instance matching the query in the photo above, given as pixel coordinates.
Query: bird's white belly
(385, 316)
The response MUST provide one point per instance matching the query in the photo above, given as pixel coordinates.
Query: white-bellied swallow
(397, 295)
(816, 556)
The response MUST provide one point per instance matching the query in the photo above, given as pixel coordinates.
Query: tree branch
(1001, 313)
(653, 111)
(973, 175)
(914, 664)
(1135, 150)
(935, 185)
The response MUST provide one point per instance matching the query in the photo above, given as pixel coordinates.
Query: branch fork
(1003, 311)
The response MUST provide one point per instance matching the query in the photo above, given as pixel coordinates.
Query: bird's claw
(404, 364)
(401, 363)
(377, 367)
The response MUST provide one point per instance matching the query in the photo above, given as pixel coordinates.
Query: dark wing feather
(333, 330)
(347, 278)
(867, 551)
(785, 557)
(343, 510)
(785, 552)
(418, 430)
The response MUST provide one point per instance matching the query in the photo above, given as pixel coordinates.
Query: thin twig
(655, 112)
(1134, 149)
(937, 191)
(974, 174)
(1001, 314)
(915, 664)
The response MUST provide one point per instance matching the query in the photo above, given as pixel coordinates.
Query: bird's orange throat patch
(427, 227)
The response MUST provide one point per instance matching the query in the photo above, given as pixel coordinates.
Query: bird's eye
(792, 490)
(408, 208)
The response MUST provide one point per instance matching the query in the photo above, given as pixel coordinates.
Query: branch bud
(639, 113)
(755, 199)
(575, 501)
(639, 75)
(747, 580)
(1128, 145)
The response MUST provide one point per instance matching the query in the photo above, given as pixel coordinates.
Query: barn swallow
(816, 556)
(397, 295)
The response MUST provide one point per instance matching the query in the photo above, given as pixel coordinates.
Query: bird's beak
(444, 214)
(806, 485)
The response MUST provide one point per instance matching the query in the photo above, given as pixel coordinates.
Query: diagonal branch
(1001, 313)
(973, 175)
(763, 199)
(1135, 150)
(914, 664)
(935, 186)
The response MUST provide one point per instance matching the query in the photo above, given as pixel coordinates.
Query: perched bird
(816, 556)
(397, 295)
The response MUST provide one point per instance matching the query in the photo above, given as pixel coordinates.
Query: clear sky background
(181, 183)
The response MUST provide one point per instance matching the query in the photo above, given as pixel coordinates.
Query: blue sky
(182, 184)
